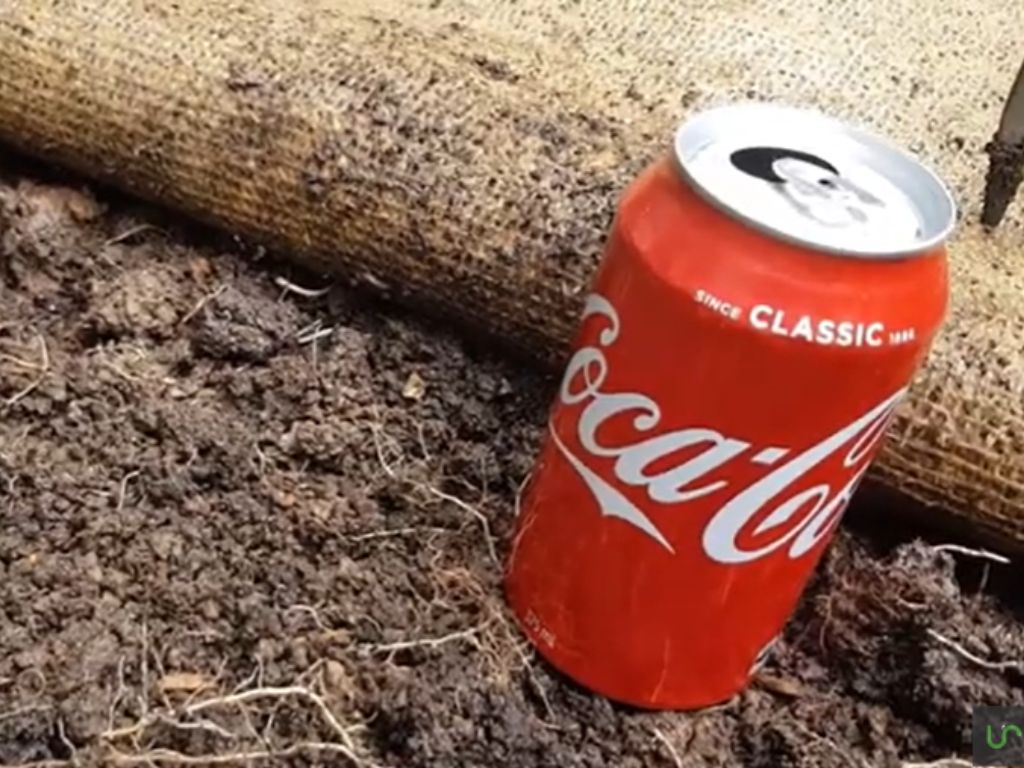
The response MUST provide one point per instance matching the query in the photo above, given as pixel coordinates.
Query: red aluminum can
(768, 290)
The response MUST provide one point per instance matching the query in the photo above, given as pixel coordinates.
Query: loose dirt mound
(240, 518)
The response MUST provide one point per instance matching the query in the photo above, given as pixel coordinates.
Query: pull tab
(812, 185)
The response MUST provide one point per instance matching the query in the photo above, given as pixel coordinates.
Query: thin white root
(43, 367)
(672, 751)
(484, 524)
(65, 742)
(123, 488)
(315, 335)
(256, 694)
(170, 757)
(378, 433)
(999, 666)
(981, 554)
(309, 293)
(390, 533)
(468, 635)
(202, 303)
(131, 232)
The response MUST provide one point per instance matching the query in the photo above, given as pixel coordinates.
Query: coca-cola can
(767, 292)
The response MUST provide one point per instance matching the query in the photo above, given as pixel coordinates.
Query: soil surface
(246, 513)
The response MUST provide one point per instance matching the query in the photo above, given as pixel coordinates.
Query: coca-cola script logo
(583, 385)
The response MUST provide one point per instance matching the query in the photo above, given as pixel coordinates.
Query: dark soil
(235, 519)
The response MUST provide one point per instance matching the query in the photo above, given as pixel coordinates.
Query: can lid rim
(942, 209)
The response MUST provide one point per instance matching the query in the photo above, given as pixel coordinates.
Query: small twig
(202, 303)
(309, 293)
(484, 524)
(998, 666)
(669, 746)
(267, 693)
(432, 642)
(949, 762)
(43, 368)
(982, 554)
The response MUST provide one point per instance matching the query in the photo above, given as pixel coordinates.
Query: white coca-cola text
(799, 516)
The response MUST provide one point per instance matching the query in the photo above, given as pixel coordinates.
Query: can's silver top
(807, 178)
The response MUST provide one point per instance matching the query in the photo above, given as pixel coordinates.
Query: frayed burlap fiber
(467, 156)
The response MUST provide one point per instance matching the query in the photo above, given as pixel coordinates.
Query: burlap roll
(467, 156)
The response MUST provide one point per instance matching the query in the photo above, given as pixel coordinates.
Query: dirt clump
(229, 525)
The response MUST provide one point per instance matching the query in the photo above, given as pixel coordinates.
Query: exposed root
(485, 526)
(256, 694)
(672, 751)
(313, 336)
(467, 635)
(213, 715)
(202, 303)
(43, 367)
(65, 742)
(170, 757)
(391, 533)
(389, 469)
(982, 554)
(949, 762)
(309, 293)
(998, 666)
